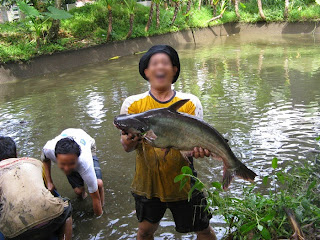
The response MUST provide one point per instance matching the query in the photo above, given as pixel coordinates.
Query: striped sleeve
(128, 104)
(196, 106)
(199, 108)
(125, 106)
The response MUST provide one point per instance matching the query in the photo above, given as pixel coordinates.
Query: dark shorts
(49, 230)
(188, 216)
(75, 178)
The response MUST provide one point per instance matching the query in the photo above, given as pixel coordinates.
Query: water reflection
(261, 92)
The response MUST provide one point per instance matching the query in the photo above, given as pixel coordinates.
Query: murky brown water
(262, 93)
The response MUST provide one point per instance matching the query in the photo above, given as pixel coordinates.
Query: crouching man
(27, 209)
(75, 153)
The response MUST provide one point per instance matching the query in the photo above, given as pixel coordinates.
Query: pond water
(261, 92)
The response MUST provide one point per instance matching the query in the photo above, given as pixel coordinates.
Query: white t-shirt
(85, 161)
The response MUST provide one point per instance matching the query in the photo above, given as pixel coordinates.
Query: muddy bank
(71, 59)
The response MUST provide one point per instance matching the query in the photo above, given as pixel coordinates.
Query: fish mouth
(117, 126)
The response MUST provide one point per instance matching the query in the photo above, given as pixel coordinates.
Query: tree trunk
(286, 9)
(109, 23)
(150, 18)
(188, 6)
(236, 7)
(200, 2)
(188, 9)
(165, 5)
(131, 25)
(260, 10)
(158, 14)
(214, 9)
(53, 32)
(176, 9)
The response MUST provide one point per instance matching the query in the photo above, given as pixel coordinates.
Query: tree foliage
(40, 22)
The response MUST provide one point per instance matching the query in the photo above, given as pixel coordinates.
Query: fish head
(130, 123)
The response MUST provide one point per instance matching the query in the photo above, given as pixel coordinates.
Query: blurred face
(160, 71)
(67, 162)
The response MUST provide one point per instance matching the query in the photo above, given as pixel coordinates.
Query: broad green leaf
(274, 163)
(200, 186)
(28, 10)
(178, 178)
(242, 5)
(266, 234)
(270, 216)
(311, 186)
(260, 227)
(280, 177)
(183, 183)
(217, 185)
(57, 14)
(265, 180)
(318, 138)
(247, 227)
(191, 190)
(186, 170)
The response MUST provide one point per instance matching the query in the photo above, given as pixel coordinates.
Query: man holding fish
(153, 186)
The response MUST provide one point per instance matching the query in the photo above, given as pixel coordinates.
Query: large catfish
(167, 128)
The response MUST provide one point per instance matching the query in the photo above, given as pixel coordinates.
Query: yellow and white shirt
(154, 176)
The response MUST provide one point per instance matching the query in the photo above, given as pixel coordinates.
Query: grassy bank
(89, 25)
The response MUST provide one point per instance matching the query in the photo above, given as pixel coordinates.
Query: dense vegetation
(289, 208)
(110, 20)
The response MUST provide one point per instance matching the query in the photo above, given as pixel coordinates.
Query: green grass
(89, 25)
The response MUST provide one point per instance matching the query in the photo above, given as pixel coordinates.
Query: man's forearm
(47, 170)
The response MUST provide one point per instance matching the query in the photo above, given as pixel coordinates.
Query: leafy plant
(39, 22)
(292, 197)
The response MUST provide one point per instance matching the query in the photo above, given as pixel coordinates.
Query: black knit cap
(144, 61)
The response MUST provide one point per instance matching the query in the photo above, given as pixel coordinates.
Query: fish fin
(186, 155)
(245, 173)
(227, 178)
(150, 135)
(216, 157)
(177, 105)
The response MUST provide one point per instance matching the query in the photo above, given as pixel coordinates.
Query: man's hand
(200, 152)
(96, 203)
(130, 141)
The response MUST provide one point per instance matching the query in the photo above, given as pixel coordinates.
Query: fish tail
(227, 178)
(245, 173)
(242, 171)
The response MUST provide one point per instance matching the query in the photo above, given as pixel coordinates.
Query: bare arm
(130, 141)
(96, 203)
(47, 171)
